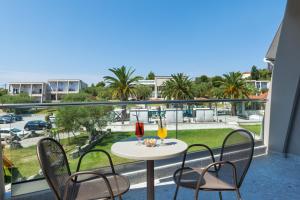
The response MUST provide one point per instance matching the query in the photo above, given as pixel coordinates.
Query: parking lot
(20, 124)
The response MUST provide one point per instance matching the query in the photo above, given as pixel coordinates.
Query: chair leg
(196, 194)
(220, 196)
(176, 191)
(238, 194)
(120, 197)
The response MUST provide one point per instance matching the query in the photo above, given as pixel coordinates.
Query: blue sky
(40, 40)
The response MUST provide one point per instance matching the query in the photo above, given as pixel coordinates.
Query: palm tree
(179, 87)
(235, 87)
(122, 84)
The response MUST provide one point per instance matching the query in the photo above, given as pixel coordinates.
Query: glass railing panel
(77, 126)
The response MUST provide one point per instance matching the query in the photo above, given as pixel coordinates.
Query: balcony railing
(80, 126)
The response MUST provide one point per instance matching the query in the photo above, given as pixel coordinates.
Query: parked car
(5, 119)
(16, 117)
(37, 125)
(7, 132)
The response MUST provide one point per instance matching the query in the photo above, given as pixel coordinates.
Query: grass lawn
(25, 159)
(256, 129)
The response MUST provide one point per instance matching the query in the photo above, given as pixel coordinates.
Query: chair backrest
(54, 164)
(238, 147)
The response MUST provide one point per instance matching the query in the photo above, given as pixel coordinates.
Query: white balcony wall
(284, 84)
(204, 114)
(171, 116)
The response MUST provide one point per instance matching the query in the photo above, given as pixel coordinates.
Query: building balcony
(270, 177)
(270, 171)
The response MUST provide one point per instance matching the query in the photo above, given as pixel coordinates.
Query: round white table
(132, 150)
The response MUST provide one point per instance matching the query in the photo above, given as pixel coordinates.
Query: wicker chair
(225, 175)
(80, 185)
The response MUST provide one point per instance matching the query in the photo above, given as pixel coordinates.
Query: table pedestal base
(150, 179)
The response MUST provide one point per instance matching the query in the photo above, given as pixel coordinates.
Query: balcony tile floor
(270, 177)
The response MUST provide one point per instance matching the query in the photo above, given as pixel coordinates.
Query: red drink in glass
(139, 130)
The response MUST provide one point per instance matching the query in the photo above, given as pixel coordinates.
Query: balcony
(196, 121)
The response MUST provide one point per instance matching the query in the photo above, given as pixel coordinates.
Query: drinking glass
(162, 132)
(139, 131)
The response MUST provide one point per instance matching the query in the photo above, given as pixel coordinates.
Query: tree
(217, 81)
(92, 90)
(265, 74)
(234, 87)
(143, 92)
(3, 92)
(202, 89)
(79, 97)
(92, 118)
(254, 73)
(201, 79)
(217, 92)
(67, 119)
(123, 84)
(14, 99)
(100, 84)
(150, 76)
(179, 87)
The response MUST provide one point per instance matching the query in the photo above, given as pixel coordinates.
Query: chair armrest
(74, 176)
(96, 150)
(197, 145)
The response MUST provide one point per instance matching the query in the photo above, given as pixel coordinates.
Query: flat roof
(23, 82)
(64, 80)
(163, 76)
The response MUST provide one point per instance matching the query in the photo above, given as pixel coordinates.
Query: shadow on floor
(270, 177)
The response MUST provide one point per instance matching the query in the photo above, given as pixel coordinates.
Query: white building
(260, 84)
(246, 75)
(60, 87)
(156, 85)
(38, 91)
(54, 90)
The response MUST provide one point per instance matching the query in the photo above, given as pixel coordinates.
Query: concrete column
(31, 90)
(42, 93)
(56, 91)
(284, 82)
(20, 88)
(266, 126)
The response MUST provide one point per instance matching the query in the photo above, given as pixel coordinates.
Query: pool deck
(270, 177)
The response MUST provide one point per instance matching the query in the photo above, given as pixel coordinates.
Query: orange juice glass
(162, 131)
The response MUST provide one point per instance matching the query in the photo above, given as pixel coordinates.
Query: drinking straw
(159, 113)
(136, 115)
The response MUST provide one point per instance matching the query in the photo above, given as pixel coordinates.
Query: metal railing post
(176, 121)
(217, 118)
